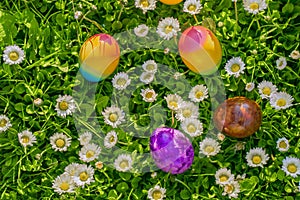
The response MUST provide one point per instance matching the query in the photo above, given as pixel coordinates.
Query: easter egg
(200, 50)
(171, 150)
(99, 56)
(171, 2)
(238, 117)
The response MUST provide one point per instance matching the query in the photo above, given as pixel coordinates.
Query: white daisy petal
(223, 176)
(26, 138)
(295, 55)
(235, 66)
(192, 7)
(156, 193)
(173, 101)
(254, 6)
(250, 86)
(147, 77)
(110, 139)
(65, 105)
(281, 63)
(84, 175)
(145, 5)
(89, 152)
(121, 81)
(71, 169)
(187, 110)
(113, 116)
(257, 157)
(63, 184)
(85, 138)
(282, 144)
(13, 55)
(150, 66)
(141, 30)
(123, 163)
(4, 123)
(78, 15)
(168, 28)
(192, 126)
(198, 93)
(291, 166)
(60, 142)
(209, 147)
(232, 189)
(266, 89)
(281, 100)
(149, 95)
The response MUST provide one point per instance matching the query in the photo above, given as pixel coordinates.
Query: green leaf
(19, 106)
(60, 19)
(288, 8)
(122, 187)
(185, 194)
(101, 103)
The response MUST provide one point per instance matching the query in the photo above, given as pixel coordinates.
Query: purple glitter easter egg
(171, 150)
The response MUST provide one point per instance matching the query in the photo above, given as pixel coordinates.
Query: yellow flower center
(235, 68)
(156, 195)
(60, 143)
(168, 29)
(223, 178)
(144, 3)
(292, 168)
(266, 91)
(282, 145)
(149, 95)
(121, 81)
(199, 94)
(112, 139)
(187, 113)
(113, 117)
(83, 176)
(173, 104)
(3, 122)
(63, 105)
(229, 188)
(256, 159)
(191, 128)
(124, 164)
(90, 154)
(192, 7)
(13, 56)
(254, 6)
(64, 186)
(209, 149)
(150, 67)
(25, 139)
(281, 102)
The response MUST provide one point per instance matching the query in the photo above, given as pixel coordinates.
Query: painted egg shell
(171, 2)
(171, 150)
(99, 57)
(200, 50)
(238, 117)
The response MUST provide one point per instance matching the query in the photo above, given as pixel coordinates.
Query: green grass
(51, 38)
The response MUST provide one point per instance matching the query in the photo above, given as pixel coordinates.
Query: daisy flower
(38, 102)
(291, 166)
(4, 123)
(150, 66)
(84, 175)
(235, 66)
(254, 6)
(187, 110)
(149, 95)
(85, 138)
(153, 174)
(156, 193)
(232, 189)
(266, 89)
(240, 177)
(65, 105)
(110, 139)
(99, 165)
(257, 157)
(281, 63)
(145, 5)
(192, 126)
(223, 176)
(192, 7)
(89, 152)
(173, 101)
(147, 77)
(295, 55)
(250, 86)
(60, 142)
(282, 144)
(120, 81)
(141, 30)
(77, 15)
(123, 163)
(209, 147)
(13, 55)
(168, 28)
(26, 138)
(177, 75)
(281, 100)
(113, 116)
(63, 184)
(221, 136)
(72, 169)
(198, 93)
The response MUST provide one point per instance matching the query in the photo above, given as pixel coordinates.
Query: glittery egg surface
(99, 57)
(171, 150)
(200, 50)
(238, 117)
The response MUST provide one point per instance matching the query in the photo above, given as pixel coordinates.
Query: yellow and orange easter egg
(171, 2)
(99, 56)
(200, 50)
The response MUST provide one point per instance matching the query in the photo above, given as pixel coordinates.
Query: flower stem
(197, 22)
(96, 24)
(236, 12)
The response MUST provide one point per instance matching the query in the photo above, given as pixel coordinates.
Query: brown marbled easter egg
(238, 117)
